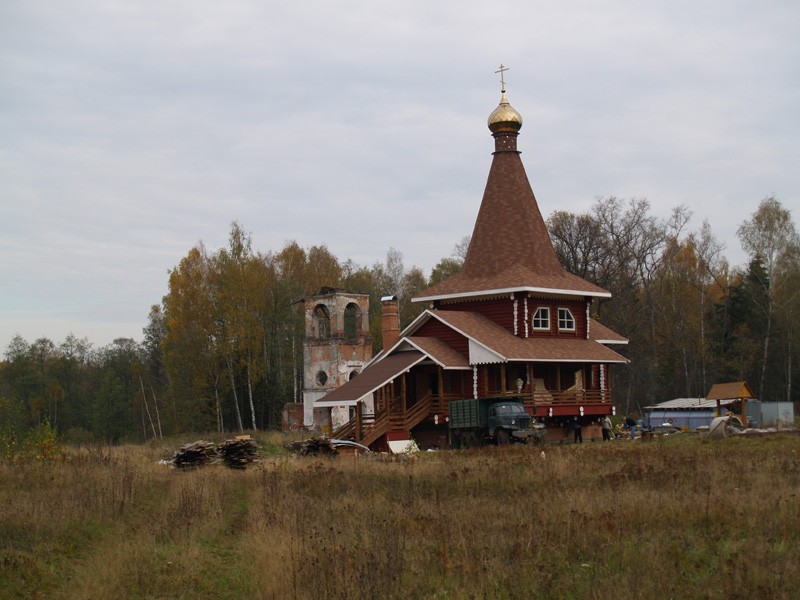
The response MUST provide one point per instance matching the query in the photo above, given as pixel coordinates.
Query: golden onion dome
(504, 117)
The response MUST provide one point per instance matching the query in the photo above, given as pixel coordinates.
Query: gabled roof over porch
(374, 376)
(442, 354)
(409, 351)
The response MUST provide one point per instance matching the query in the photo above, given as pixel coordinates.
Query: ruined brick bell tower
(336, 348)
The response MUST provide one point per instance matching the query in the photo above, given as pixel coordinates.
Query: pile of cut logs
(236, 453)
(239, 452)
(194, 454)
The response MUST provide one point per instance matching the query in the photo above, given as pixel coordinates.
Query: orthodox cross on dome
(502, 71)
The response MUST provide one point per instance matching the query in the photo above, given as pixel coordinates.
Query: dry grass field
(675, 518)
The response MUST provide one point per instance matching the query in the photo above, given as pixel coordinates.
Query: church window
(566, 322)
(541, 319)
(322, 378)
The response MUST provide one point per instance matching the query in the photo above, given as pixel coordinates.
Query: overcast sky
(130, 131)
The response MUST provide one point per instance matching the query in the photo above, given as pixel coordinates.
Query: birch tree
(770, 236)
(713, 281)
(239, 292)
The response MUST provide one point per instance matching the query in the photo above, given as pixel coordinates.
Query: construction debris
(194, 454)
(239, 452)
(722, 427)
(768, 431)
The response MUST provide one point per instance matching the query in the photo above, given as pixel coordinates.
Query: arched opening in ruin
(322, 321)
(352, 322)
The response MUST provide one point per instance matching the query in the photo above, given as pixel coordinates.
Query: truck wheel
(502, 437)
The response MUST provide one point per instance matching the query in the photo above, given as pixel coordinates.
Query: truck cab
(509, 416)
(498, 420)
(510, 420)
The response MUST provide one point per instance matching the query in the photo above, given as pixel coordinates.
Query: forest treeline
(223, 350)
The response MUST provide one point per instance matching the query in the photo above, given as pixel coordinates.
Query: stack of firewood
(312, 446)
(194, 454)
(239, 452)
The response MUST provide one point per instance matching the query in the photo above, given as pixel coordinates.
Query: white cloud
(132, 131)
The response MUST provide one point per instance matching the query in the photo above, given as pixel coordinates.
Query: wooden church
(512, 323)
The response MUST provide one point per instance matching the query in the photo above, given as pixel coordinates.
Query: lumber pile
(194, 454)
(239, 452)
(235, 454)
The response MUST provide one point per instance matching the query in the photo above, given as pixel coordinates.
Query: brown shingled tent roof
(510, 248)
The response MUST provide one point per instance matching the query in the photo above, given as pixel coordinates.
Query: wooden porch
(401, 406)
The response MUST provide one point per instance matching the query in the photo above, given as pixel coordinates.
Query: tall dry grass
(677, 518)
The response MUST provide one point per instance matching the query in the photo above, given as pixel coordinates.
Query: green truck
(474, 422)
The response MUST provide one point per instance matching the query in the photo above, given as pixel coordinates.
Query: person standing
(606, 426)
(631, 424)
(576, 427)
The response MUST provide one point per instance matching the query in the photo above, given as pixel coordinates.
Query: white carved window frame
(566, 320)
(541, 319)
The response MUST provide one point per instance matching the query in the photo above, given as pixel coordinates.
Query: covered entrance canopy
(371, 378)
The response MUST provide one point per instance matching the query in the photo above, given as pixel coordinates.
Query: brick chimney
(390, 321)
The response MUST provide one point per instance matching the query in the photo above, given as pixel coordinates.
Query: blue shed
(686, 413)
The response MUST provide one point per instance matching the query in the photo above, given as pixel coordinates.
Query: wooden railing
(346, 431)
(371, 432)
(414, 415)
(559, 397)
(366, 429)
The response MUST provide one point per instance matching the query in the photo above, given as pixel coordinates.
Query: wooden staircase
(394, 417)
